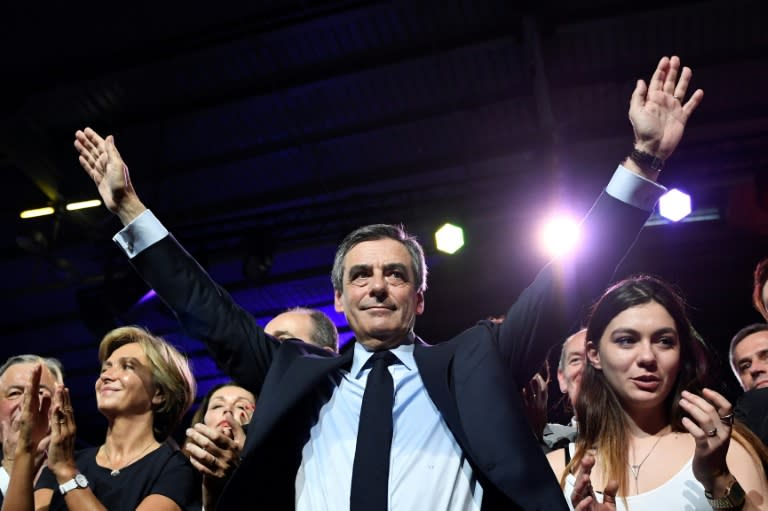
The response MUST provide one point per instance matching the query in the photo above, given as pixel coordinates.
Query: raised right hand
(103, 163)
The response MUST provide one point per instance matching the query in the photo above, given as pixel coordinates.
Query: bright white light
(449, 238)
(73, 206)
(559, 235)
(675, 205)
(32, 213)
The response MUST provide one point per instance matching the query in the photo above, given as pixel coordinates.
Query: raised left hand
(61, 451)
(659, 111)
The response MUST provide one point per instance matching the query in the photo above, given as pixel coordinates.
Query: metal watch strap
(733, 498)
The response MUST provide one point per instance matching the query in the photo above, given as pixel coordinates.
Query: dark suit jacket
(752, 410)
(473, 379)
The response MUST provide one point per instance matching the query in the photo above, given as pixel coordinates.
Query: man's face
(575, 357)
(12, 384)
(379, 298)
(750, 357)
(292, 325)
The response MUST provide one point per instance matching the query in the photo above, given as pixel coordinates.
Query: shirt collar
(404, 353)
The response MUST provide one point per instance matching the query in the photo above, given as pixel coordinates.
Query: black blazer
(474, 379)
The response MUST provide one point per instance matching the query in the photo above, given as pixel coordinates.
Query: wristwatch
(646, 160)
(733, 498)
(79, 481)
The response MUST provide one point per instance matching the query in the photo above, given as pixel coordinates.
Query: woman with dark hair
(144, 388)
(217, 436)
(650, 430)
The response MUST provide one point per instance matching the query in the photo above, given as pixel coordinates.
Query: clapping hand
(710, 424)
(583, 496)
(61, 451)
(29, 431)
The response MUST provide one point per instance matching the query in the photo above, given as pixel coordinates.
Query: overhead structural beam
(533, 52)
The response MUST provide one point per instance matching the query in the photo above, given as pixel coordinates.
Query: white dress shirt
(4, 480)
(427, 467)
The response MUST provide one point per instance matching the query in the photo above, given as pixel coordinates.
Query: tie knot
(385, 358)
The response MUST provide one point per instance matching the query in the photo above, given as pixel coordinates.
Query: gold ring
(727, 419)
(68, 409)
(711, 432)
(678, 99)
(61, 421)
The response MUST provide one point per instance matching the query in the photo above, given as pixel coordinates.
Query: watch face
(81, 481)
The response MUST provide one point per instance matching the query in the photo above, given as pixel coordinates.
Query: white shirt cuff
(145, 230)
(634, 189)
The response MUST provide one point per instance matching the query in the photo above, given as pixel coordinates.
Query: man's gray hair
(740, 336)
(563, 349)
(378, 232)
(324, 333)
(53, 364)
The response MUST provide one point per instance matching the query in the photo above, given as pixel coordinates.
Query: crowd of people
(393, 422)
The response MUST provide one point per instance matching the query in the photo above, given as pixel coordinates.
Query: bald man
(569, 370)
(308, 325)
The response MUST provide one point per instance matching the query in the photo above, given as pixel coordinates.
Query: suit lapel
(302, 374)
(434, 364)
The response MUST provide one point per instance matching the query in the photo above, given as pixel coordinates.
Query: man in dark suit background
(748, 358)
(460, 439)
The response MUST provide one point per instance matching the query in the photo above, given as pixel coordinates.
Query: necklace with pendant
(116, 471)
(635, 468)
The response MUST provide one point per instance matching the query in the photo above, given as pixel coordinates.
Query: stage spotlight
(449, 238)
(675, 205)
(559, 235)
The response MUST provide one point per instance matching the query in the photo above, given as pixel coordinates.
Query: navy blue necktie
(370, 470)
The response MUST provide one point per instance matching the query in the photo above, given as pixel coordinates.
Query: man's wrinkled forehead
(384, 252)
(577, 343)
(754, 342)
(17, 375)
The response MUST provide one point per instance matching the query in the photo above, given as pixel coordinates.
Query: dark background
(273, 128)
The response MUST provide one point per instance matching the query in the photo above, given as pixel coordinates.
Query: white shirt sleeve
(144, 231)
(634, 189)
